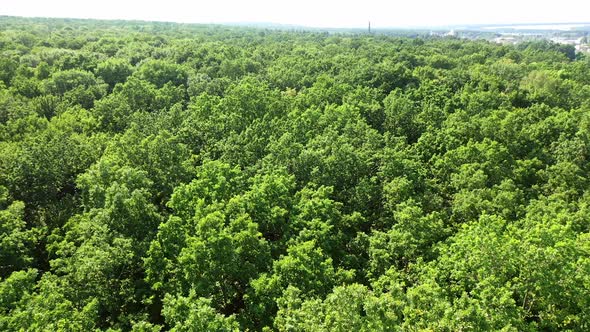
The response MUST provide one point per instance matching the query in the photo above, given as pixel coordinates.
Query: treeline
(158, 176)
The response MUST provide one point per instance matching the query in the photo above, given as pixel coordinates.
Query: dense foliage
(159, 176)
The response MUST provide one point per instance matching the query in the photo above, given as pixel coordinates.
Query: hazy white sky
(327, 13)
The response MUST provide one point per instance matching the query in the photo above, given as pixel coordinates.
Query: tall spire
(369, 26)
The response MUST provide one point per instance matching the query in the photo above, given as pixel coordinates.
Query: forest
(184, 177)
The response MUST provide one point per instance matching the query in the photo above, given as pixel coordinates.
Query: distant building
(506, 40)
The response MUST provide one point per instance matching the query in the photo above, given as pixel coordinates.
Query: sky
(313, 13)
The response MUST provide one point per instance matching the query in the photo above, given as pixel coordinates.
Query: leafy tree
(114, 71)
(195, 314)
(16, 241)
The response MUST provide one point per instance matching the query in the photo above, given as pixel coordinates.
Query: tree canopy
(159, 176)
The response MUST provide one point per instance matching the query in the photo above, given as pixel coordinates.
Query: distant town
(576, 34)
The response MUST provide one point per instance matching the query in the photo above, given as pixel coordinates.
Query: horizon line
(295, 25)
